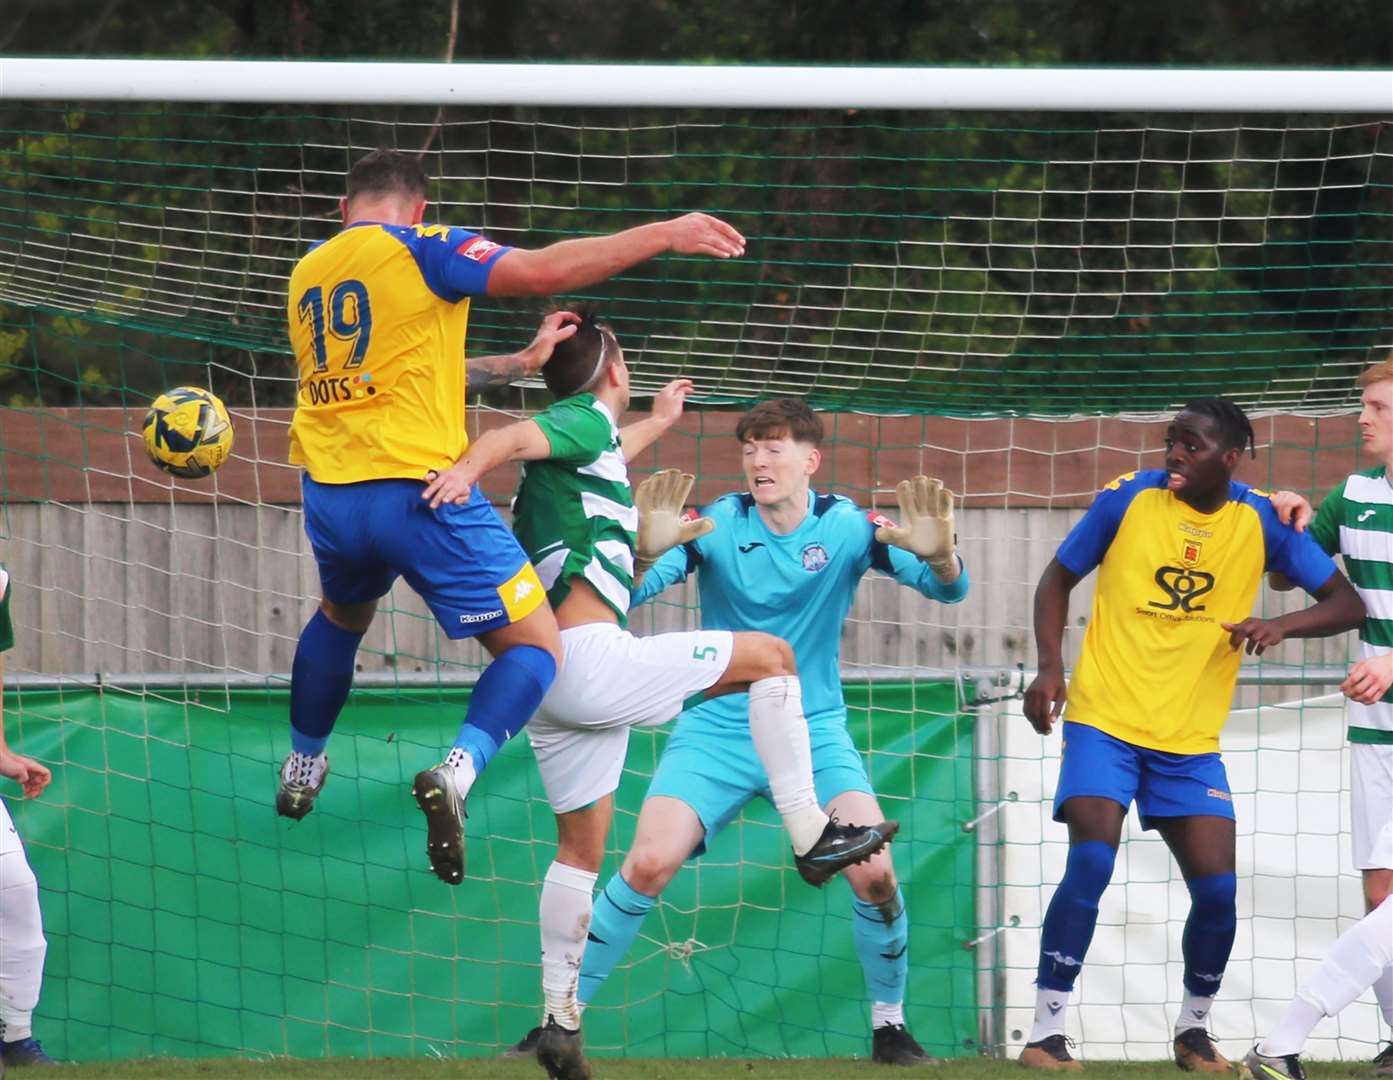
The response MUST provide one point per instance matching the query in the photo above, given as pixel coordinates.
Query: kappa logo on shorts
(815, 558)
(519, 592)
(1215, 793)
(483, 616)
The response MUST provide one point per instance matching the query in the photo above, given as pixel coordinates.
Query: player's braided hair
(1235, 428)
(577, 363)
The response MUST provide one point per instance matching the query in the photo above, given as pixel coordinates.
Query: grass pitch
(609, 1069)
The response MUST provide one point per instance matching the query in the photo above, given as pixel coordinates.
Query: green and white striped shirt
(7, 629)
(1356, 521)
(574, 511)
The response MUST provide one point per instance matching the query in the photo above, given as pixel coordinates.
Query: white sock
(564, 914)
(1383, 990)
(1354, 963)
(1051, 1006)
(459, 760)
(24, 946)
(1298, 1020)
(886, 1012)
(1194, 1012)
(304, 768)
(780, 735)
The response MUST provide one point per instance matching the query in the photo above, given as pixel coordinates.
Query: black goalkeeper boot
(841, 846)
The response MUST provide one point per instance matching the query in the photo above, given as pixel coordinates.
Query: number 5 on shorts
(707, 652)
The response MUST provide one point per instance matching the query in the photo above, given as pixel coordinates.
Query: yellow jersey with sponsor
(1157, 669)
(377, 320)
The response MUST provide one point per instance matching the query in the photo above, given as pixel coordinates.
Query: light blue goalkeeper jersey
(798, 587)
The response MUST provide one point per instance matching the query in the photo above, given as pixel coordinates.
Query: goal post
(1004, 278)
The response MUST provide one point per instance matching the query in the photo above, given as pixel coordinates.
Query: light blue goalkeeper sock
(617, 919)
(883, 946)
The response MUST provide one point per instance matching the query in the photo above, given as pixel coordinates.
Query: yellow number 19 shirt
(377, 321)
(1157, 670)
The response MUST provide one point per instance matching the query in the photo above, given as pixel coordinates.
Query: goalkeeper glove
(661, 527)
(926, 524)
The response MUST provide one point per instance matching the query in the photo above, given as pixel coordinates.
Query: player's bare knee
(648, 869)
(764, 656)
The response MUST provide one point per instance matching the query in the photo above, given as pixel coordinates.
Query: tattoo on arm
(490, 372)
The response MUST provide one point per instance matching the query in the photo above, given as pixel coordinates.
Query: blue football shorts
(714, 769)
(1163, 785)
(462, 560)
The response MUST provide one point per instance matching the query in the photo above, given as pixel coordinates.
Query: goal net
(1007, 301)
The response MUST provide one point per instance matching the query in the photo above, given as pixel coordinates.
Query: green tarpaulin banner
(185, 918)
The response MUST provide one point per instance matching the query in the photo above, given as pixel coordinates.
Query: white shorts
(9, 835)
(1371, 805)
(609, 682)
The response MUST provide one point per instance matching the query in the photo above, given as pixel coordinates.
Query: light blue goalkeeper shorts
(714, 769)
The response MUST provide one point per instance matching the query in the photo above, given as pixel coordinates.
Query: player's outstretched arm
(926, 528)
(523, 441)
(1044, 699)
(667, 410)
(1337, 609)
(31, 777)
(490, 372)
(660, 501)
(573, 264)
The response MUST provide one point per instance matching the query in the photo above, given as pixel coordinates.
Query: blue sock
(615, 923)
(320, 679)
(1209, 931)
(883, 947)
(1073, 913)
(504, 699)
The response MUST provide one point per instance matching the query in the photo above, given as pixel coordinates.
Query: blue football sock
(504, 699)
(882, 946)
(617, 918)
(1073, 913)
(1209, 931)
(320, 679)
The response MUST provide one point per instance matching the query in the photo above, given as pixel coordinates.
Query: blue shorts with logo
(461, 559)
(1163, 785)
(714, 769)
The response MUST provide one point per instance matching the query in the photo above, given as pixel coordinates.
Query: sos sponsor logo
(1182, 587)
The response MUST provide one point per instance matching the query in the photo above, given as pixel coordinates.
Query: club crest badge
(814, 558)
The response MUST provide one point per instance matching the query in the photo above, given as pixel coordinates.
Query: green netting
(185, 918)
(896, 261)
